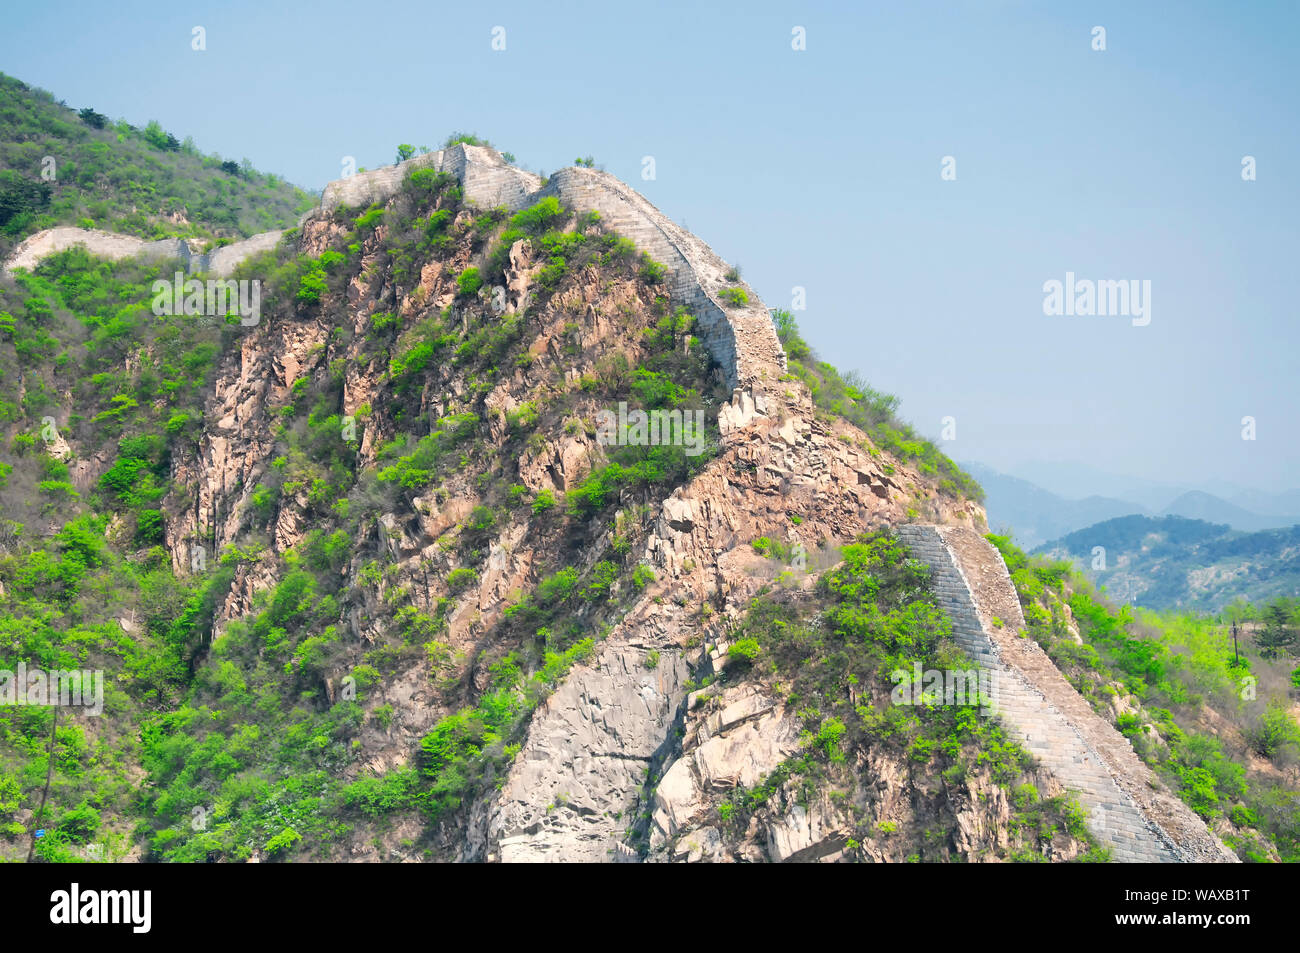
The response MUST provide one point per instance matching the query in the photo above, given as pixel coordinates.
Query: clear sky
(820, 168)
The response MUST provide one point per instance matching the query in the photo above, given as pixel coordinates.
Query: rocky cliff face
(457, 415)
(740, 737)
(598, 738)
(582, 770)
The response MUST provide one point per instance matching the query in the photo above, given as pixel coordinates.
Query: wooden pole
(49, 774)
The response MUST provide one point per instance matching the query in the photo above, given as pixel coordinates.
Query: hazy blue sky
(821, 168)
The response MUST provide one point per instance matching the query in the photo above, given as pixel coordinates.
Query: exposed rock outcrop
(738, 737)
(776, 464)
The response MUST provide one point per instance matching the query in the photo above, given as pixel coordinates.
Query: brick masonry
(1127, 809)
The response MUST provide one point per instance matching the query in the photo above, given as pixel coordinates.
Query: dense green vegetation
(85, 583)
(59, 166)
(835, 659)
(875, 413)
(1214, 723)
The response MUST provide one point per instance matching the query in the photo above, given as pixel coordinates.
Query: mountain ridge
(1176, 562)
(371, 583)
(1036, 515)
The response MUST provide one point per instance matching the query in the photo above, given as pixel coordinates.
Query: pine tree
(1279, 633)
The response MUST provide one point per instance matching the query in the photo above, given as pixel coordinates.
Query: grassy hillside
(850, 397)
(1171, 562)
(60, 166)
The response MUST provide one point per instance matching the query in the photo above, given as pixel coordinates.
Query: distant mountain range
(1168, 562)
(1205, 506)
(1034, 515)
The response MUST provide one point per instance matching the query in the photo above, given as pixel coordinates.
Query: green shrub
(430, 183)
(523, 417)
(557, 587)
(468, 282)
(312, 284)
(602, 579)
(828, 738)
(80, 824)
(481, 519)
(458, 580)
(282, 842)
(372, 217)
(651, 271)
(539, 218)
(148, 528)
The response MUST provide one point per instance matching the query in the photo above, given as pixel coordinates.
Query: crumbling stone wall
(1126, 810)
(220, 261)
(740, 337)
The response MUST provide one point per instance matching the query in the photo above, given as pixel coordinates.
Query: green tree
(92, 118)
(1279, 633)
(156, 136)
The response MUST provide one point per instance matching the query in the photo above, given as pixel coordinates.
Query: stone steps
(1054, 723)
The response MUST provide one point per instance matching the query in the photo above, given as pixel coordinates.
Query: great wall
(219, 261)
(1128, 811)
(740, 337)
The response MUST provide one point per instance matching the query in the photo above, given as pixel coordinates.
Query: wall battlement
(740, 337)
